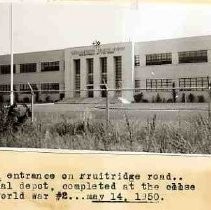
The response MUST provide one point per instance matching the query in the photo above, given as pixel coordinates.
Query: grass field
(85, 131)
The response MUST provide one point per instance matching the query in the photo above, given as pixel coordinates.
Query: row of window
(31, 67)
(166, 58)
(51, 87)
(185, 84)
(103, 75)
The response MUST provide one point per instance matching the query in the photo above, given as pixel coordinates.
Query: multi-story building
(183, 63)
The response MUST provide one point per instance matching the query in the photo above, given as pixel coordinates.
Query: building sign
(97, 51)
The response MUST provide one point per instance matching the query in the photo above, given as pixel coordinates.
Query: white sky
(46, 26)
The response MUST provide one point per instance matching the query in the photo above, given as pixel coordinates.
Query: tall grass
(60, 131)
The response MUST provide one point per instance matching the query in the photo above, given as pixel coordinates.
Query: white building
(183, 63)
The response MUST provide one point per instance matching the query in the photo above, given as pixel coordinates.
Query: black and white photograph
(106, 75)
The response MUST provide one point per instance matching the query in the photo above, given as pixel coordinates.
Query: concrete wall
(122, 49)
(175, 70)
(37, 77)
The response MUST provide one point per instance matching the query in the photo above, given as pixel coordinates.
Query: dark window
(193, 84)
(155, 84)
(28, 67)
(25, 87)
(103, 67)
(50, 87)
(137, 60)
(77, 67)
(5, 69)
(50, 66)
(90, 78)
(159, 59)
(4, 87)
(90, 91)
(137, 85)
(193, 56)
(118, 74)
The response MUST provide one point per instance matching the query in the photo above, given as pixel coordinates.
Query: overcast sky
(45, 26)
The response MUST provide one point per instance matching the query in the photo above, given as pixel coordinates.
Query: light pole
(11, 52)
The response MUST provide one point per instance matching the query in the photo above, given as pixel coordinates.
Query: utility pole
(11, 52)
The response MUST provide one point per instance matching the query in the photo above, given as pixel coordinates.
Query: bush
(174, 94)
(145, 101)
(26, 100)
(183, 98)
(201, 99)
(191, 98)
(170, 100)
(48, 99)
(61, 96)
(1, 99)
(158, 99)
(138, 97)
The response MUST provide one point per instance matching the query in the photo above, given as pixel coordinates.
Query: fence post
(107, 106)
(209, 100)
(32, 106)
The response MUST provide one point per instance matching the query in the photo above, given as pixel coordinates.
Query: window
(90, 77)
(25, 87)
(193, 56)
(5, 69)
(50, 66)
(28, 67)
(77, 77)
(159, 59)
(50, 87)
(198, 83)
(4, 87)
(103, 67)
(158, 83)
(137, 60)
(118, 73)
(137, 85)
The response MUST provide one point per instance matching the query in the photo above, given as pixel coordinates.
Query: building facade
(85, 72)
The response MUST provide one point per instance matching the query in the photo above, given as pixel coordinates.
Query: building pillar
(39, 67)
(209, 56)
(17, 66)
(142, 60)
(110, 75)
(96, 77)
(175, 58)
(61, 65)
(68, 75)
(83, 77)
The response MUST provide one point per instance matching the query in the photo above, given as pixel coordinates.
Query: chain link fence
(110, 104)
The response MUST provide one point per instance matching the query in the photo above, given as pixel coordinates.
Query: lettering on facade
(97, 51)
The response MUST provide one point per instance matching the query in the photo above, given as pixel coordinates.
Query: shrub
(158, 99)
(174, 94)
(183, 98)
(145, 101)
(26, 100)
(48, 99)
(138, 97)
(61, 96)
(191, 98)
(201, 99)
(1, 99)
(170, 100)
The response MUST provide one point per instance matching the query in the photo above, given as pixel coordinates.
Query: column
(68, 75)
(111, 75)
(175, 58)
(209, 56)
(83, 77)
(96, 77)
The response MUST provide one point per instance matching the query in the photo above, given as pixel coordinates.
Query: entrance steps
(112, 100)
